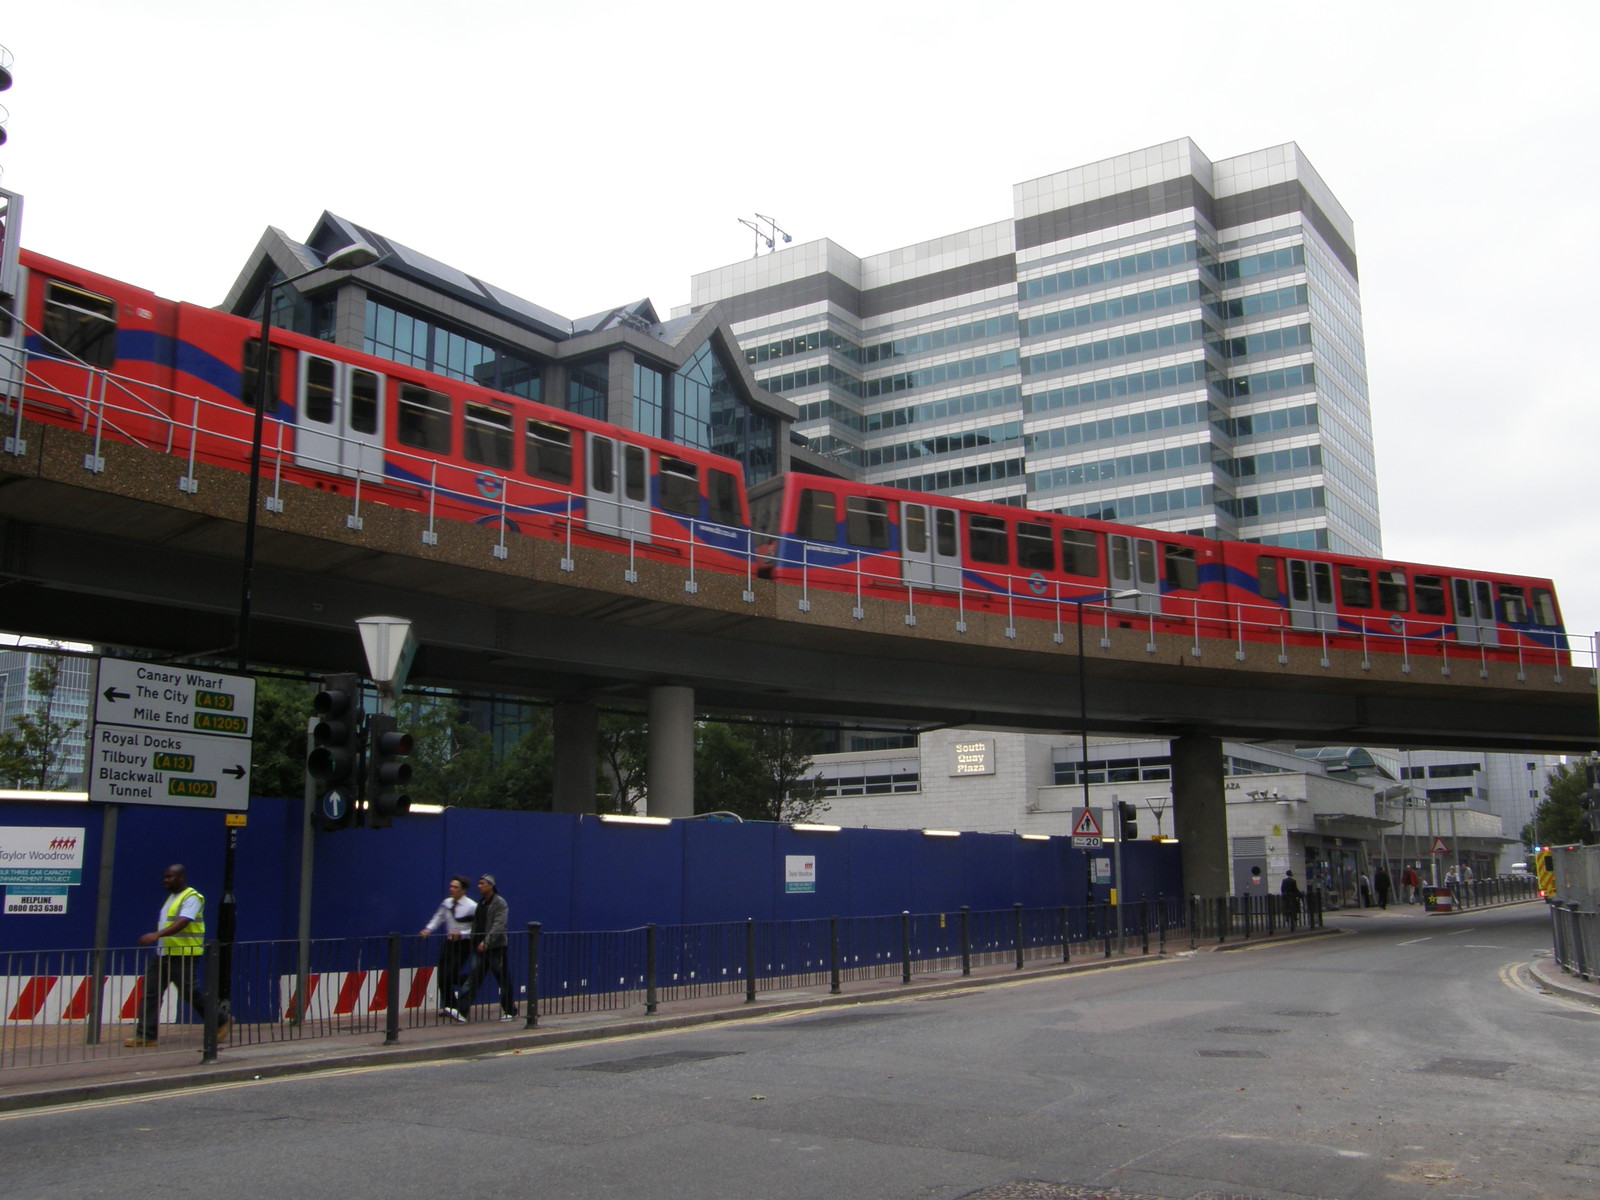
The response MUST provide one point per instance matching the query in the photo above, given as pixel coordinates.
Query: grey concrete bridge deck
(124, 557)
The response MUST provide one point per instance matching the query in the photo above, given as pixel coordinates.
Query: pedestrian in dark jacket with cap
(488, 954)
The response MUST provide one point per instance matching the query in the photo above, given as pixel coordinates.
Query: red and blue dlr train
(129, 365)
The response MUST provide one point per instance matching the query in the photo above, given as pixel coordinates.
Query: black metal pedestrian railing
(1575, 939)
(70, 1006)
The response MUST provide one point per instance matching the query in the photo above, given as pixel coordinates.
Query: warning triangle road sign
(1439, 846)
(1087, 826)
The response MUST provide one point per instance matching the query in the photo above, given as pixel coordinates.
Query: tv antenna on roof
(767, 233)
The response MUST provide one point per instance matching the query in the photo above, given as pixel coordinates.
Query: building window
(649, 398)
(587, 384)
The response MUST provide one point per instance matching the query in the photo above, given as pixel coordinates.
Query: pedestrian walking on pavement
(488, 940)
(179, 939)
(1289, 890)
(1384, 884)
(454, 918)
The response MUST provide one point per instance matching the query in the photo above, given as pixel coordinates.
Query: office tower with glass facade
(1156, 339)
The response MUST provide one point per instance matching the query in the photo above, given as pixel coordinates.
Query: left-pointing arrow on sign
(113, 695)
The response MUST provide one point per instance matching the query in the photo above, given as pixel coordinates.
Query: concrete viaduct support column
(669, 752)
(1199, 814)
(576, 730)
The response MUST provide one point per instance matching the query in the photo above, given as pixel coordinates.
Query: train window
(247, 373)
(1544, 607)
(1147, 561)
(602, 465)
(1513, 605)
(680, 487)
(944, 533)
(722, 490)
(1183, 571)
(317, 404)
(819, 516)
(364, 393)
(1080, 552)
(867, 522)
(487, 437)
(1322, 578)
(986, 539)
(1430, 595)
(634, 485)
(81, 324)
(1269, 579)
(1121, 557)
(1355, 587)
(914, 529)
(1392, 594)
(1483, 599)
(547, 451)
(424, 419)
(1035, 548)
(1463, 590)
(1299, 581)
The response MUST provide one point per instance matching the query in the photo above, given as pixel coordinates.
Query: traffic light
(1128, 820)
(335, 763)
(387, 774)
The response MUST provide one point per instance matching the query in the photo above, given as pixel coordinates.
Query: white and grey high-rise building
(1156, 339)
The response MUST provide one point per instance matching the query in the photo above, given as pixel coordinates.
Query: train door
(1475, 623)
(340, 426)
(1311, 598)
(930, 546)
(619, 489)
(1135, 566)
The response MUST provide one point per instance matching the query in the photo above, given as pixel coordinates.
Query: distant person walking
(488, 940)
(1366, 891)
(1411, 882)
(179, 939)
(454, 917)
(1384, 884)
(1289, 889)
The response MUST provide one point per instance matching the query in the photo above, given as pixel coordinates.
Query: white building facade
(1154, 339)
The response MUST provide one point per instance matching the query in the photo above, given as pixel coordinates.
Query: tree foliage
(757, 771)
(33, 752)
(623, 744)
(1558, 821)
(278, 744)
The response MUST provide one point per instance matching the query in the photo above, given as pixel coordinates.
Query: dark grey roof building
(684, 379)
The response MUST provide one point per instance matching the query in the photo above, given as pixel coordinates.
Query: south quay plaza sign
(972, 758)
(175, 736)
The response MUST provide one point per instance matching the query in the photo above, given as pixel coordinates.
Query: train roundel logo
(489, 487)
(1397, 623)
(1036, 584)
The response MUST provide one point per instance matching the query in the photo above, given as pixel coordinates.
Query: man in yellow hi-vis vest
(179, 939)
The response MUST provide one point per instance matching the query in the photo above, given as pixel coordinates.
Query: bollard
(1066, 935)
(749, 960)
(1194, 922)
(905, 946)
(966, 941)
(1018, 923)
(208, 1035)
(535, 931)
(835, 984)
(1222, 919)
(650, 996)
(391, 1022)
(1144, 926)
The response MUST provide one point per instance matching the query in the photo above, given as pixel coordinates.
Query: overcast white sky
(584, 156)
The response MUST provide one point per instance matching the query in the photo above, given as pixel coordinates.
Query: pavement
(60, 1070)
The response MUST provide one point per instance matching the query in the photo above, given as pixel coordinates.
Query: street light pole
(1083, 705)
(350, 258)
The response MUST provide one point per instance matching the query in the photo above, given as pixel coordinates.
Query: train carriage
(1392, 606)
(837, 534)
(180, 377)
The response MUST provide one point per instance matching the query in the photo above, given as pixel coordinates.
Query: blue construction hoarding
(567, 872)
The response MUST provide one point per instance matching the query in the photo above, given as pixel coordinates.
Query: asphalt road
(1408, 1059)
